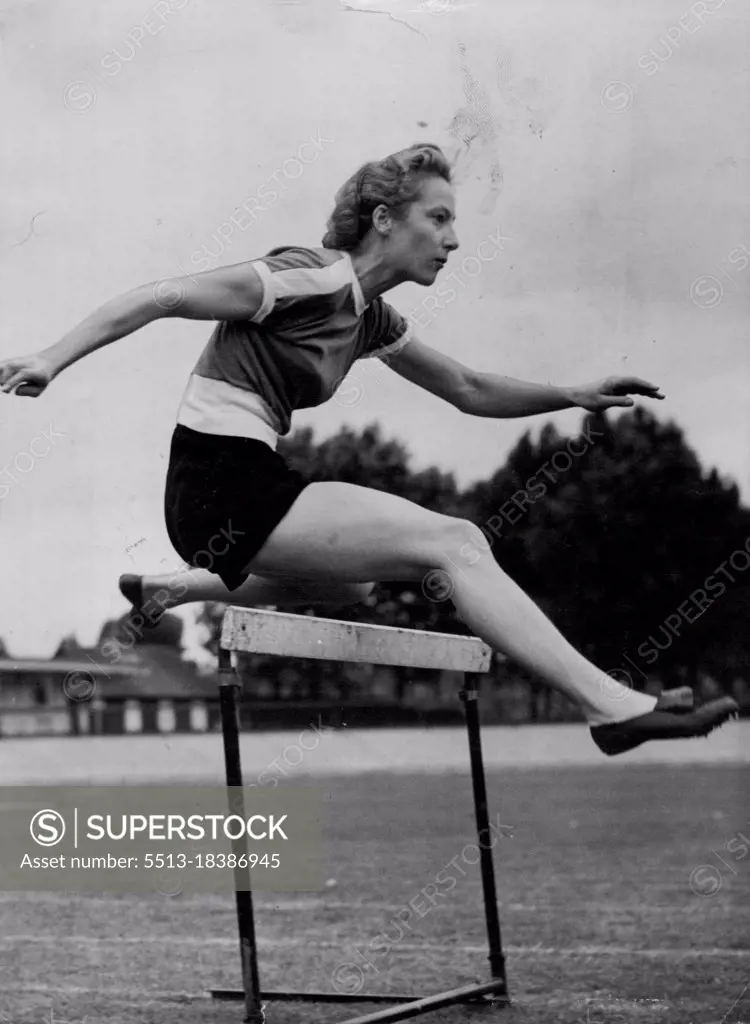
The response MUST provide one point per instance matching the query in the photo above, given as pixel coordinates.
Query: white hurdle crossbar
(253, 631)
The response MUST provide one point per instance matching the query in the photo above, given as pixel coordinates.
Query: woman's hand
(32, 373)
(612, 391)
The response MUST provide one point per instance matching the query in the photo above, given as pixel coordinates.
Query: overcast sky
(605, 144)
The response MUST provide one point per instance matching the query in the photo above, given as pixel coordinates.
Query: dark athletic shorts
(224, 497)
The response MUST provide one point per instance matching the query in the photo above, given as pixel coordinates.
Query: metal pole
(470, 697)
(228, 692)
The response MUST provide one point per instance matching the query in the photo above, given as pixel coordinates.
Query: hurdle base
(406, 1006)
(236, 995)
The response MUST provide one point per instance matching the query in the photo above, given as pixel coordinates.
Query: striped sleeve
(297, 282)
(388, 332)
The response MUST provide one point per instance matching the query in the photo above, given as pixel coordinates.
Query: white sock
(616, 703)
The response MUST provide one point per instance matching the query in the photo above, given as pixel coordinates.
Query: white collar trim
(359, 300)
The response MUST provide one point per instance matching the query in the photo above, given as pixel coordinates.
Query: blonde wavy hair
(395, 181)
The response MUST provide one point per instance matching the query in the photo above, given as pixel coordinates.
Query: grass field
(600, 923)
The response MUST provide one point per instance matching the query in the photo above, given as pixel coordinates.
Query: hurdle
(252, 631)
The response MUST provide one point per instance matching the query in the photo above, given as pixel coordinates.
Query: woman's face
(422, 239)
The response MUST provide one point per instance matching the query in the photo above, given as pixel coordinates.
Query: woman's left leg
(153, 595)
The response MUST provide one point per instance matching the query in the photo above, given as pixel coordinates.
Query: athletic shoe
(618, 737)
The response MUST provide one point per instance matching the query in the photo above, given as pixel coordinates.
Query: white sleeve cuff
(269, 293)
(395, 346)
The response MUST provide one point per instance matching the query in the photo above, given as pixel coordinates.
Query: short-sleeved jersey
(312, 325)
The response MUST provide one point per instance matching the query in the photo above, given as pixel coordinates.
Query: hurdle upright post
(229, 687)
(470, 697)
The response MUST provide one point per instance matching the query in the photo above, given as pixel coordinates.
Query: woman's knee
(356, 593)
(345, 592)
(454, 541)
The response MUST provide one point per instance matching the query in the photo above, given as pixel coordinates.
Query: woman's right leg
(339, 531)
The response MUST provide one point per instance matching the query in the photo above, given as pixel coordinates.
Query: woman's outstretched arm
(505, 397)
(489, 394)
(227, 293)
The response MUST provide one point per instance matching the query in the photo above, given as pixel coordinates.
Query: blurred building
(77, 692)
